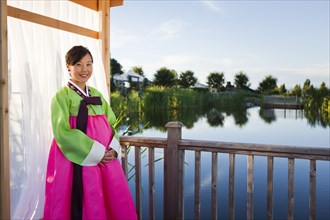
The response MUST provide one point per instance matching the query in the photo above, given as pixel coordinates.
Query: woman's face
(81, 71)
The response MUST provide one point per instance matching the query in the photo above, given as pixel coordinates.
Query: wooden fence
(285, 102)
(174, 153)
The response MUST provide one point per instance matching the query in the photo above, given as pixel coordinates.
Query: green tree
(323, 90)
(282, 90)
(268, 84)
(242, 80)
(165, 77)
(115, 67)
(306, 88)
(138, 70)
(187, 79)
(216, 80)
(296, 90)
(324, 94)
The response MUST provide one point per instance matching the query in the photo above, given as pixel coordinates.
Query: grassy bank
(178, 99)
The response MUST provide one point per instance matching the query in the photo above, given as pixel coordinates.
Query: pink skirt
(105, 195)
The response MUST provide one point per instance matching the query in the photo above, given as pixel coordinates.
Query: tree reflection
(157, 117)
(268, 115)
(316, 118)
(215, 118)
(241, 117)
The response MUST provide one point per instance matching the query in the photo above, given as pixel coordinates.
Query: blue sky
(286, 39)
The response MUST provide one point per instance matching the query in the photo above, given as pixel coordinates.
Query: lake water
(276, 127)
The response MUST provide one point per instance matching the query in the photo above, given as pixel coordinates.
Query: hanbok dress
(105, 192)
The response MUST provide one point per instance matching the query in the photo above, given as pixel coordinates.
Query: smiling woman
(83, 169)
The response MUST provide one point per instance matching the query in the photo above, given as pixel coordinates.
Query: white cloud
(121, 37)
(227, 61)
(178, 61)
(169, 29)
(212, 5)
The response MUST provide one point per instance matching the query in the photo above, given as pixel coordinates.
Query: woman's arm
(75, 145)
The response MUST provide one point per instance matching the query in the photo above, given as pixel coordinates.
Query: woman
(84, 177)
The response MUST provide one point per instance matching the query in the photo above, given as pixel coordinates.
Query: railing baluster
(151, 157)
(290, 188)
(232, 186)
(250, 187)
(214, 195)
(181, 185)
(138, 181)
(312, 189)
(197, 184)
(124, 159)
(270, 187)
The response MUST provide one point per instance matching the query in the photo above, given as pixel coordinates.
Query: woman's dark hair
(75, 54)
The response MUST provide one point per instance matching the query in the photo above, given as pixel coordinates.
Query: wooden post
(171, 171)
(250, 187)
(104, 37)
(4, 117)
(231, 186)
(312, 190)
(290, 188)
(214, 195)
(138, 182)
(151, 158)
(197, 202)
(270, 187)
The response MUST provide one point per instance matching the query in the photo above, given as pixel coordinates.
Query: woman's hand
(109, 156)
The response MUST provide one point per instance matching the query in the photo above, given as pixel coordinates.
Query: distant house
(229, 87)
(199, 86)
(127, 79)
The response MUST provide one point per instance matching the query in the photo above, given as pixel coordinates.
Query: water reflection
(216, 117)
(268, 115)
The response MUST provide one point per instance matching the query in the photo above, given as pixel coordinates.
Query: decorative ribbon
(81, 124)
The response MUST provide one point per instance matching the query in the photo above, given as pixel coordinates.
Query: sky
(288, 40)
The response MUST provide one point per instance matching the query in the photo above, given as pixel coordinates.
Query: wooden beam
(94, 4)
(104, 37)
(114, 3)
(91, 4)
(4, 117)
(51, 22)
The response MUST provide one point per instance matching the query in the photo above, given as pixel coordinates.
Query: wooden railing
(285, 102)
(174, 154)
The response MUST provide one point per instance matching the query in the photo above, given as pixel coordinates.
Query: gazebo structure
(26, 87)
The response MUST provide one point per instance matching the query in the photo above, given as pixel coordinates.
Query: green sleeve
(74, 144)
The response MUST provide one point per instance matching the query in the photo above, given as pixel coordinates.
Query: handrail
(317, 153)
(143, 141)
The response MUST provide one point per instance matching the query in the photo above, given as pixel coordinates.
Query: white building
(124, 80)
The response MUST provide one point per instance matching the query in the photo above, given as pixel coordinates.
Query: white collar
(83, 92)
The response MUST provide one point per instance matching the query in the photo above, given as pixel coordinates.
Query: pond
(254, 125)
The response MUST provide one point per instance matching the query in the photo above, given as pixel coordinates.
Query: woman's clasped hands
(109, 156)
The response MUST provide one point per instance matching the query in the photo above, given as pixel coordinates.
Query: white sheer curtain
(37, 69)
